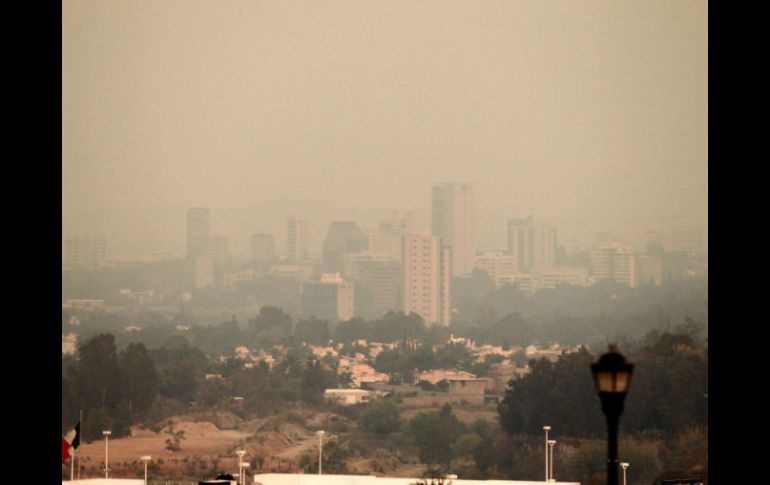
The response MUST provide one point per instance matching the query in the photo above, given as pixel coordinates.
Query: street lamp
(546, 429)
(240, 454)
(624, 465)
(145, 459)
(320, 434)
(245, 465)
(612, 377)
(551, 444)
(106, 453)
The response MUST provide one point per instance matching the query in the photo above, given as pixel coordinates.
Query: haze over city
(590, 116)
(394, 242)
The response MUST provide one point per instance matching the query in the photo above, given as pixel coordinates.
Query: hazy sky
(591, 115)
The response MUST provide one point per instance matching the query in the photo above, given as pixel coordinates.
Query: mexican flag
(70, 441)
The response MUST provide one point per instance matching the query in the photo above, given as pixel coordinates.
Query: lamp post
(245, 465)
(612, 377)
(320, 434)
(145, 459)
(240, 454)
(624, 465)
(551, 444)
(546, 429)
(106, 434)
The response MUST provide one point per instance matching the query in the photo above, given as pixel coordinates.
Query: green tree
(313, 382)
(140, 381)
(98, 386)
(381, 417)
(434, 433)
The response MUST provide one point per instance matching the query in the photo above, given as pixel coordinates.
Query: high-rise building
(262, 248)
(545, 246)
(377, 287)
(615, 261)
(452, 220)
(217, 246)
(84, 251)
(296, 240)
(391, 233)
(426, 278)
(331, 298)
(533, 244)
(197, 230)
(521, 242)
(344, 237)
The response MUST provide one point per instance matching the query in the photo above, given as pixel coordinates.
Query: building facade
(262, 248)
(296, 240)
(452, 219)
(500, 266)
(614, 261)
(331, 298)
(198, 229)
(84, 251)
(426, 278)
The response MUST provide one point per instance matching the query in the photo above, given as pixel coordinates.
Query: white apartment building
(426, 283)
(500, 266)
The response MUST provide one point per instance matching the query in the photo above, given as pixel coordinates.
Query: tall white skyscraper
(452, 220)
(296, 240)
(426, 282)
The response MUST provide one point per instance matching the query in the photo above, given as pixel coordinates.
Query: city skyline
(593, 118)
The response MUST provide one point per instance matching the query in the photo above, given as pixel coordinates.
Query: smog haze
(592, 115)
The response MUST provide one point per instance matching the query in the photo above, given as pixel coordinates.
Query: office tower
(534, 245)
(391, 233)
(377, 287)
(84, 251)
(426, 278)
(544, 245)
(452, 221)
(296, 240)
(521, 242)
(615, 261)
(197, 230)
(331, 298)
(343, 238)
(217, 246)
(262, 248)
